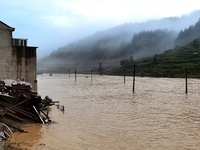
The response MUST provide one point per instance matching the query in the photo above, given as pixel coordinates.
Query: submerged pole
(91, 74)
(124, 76)
(75, 74)
(69, 72)
(186, 88)
(134, 79)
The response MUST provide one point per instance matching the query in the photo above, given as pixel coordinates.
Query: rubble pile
(19, 104)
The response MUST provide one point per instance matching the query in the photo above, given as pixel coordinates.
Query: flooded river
(104, 114)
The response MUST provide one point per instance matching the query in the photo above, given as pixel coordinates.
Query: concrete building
(18, 61)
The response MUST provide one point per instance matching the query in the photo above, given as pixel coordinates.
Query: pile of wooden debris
(19, 104)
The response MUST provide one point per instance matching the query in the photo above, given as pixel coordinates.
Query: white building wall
(18, 61)
(5, 54)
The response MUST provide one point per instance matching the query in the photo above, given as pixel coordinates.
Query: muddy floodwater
(104, 114)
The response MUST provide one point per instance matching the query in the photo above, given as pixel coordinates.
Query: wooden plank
(38, 115)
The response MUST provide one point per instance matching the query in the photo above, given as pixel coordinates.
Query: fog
(109, 46)
(78, 32)
(61, 37)
(50, 24)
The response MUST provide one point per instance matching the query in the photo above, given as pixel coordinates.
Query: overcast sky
(50, 24)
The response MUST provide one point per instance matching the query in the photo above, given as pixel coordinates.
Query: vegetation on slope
(188, 34)
(171, 63)
(136, 40)
(105, 50)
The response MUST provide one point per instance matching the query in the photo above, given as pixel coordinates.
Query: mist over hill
(171, 63)
(135, 40)
(189, 34)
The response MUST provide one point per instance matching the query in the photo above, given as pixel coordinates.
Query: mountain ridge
(109, 41)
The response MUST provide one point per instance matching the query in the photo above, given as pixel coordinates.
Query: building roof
(5, 26)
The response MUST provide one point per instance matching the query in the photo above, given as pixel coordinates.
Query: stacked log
(19, 104)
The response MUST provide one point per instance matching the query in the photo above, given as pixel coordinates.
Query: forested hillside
(189, 34)
(148, 43)
(136, 40)
(171, 63)
(88, 55)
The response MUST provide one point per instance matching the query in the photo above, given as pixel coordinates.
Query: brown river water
(104, 114)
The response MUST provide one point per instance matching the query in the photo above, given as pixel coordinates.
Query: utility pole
(134, 79)
(186, 75)
(100, 69)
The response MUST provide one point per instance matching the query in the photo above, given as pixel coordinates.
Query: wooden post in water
(69, 72)
(134, 79)
(100, 69)
(186, 88)
(124, 76)
(91, 74)
(75, 74)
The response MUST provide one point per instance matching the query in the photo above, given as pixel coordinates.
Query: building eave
(8, 27)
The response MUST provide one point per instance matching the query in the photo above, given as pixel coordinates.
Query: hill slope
(117, 43)
(88, 55)
(188, 34)
(171, 63)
